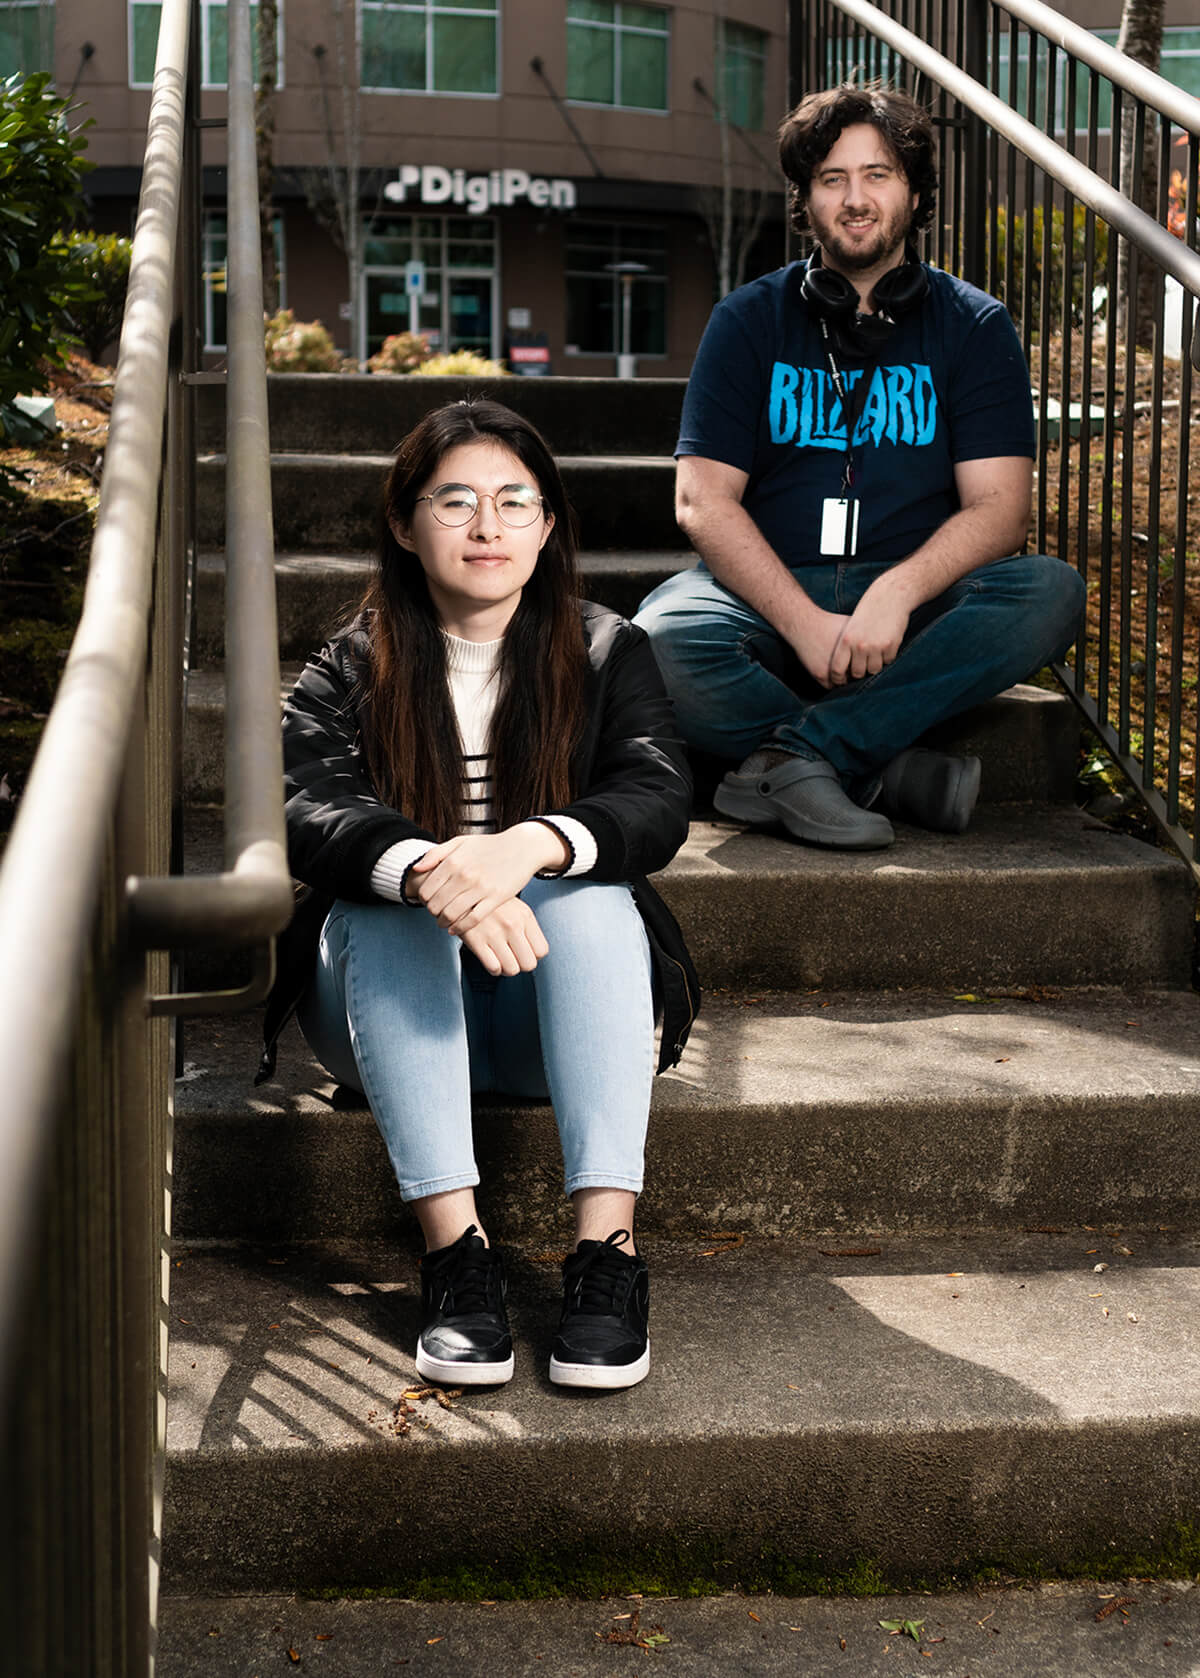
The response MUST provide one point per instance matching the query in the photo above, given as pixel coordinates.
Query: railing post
(974, 184)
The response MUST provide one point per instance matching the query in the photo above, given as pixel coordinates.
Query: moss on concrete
(702, 1571)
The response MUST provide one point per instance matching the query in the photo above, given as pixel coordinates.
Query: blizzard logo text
(804, 407)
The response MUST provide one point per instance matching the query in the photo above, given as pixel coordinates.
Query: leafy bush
(403, 352)
(40, 283)
(1015, 303)
(102, 261)
(462, 362)
(299, 346)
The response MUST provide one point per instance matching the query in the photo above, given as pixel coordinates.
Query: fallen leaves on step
(404, 1408)
(1121, 1603)
(904, 1628)
(632, 1634)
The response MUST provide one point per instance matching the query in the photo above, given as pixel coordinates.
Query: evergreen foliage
(41, 167)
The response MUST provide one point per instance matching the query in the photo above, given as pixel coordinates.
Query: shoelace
(599, 1281)
(467, 1283)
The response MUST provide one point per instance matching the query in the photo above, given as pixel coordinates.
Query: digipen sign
(435, 185)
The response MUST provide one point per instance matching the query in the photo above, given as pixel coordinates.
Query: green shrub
(460, 362)
(403, 352)
(1015, 303)
(102, 261)
(40, 283)
(299, 346)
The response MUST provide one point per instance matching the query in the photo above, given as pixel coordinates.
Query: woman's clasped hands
(470, 885)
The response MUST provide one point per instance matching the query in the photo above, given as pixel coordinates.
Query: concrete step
(369, 414)
(923, 1408)
(1003, 1629)
(1027, 737)
(332, 503)
(1031, 895)
(789, 1114)
(314, 591)
(1028, 896)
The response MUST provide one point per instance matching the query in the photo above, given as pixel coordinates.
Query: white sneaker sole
(454, 1374)
(609, 1377)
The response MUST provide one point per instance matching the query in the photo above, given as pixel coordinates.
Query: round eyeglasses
(517, 505)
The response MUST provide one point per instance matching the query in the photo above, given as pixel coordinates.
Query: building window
(214, 42)
(429, 48)
(594, 291)
(215, 256)
(617, 54)
(741, 60)
(26, 37)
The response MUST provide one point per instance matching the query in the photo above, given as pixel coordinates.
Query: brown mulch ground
(45, 537)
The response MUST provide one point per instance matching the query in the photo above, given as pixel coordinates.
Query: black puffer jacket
(634, 798)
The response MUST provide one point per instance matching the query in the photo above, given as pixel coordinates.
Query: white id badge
(839, 528)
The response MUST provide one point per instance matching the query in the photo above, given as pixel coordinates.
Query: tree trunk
(348, 60)
(1140, 39)
(264, 139)
(725, 249)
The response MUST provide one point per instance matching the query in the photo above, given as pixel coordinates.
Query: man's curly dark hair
(809, 133)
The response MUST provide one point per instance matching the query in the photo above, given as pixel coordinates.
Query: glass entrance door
(457, 308)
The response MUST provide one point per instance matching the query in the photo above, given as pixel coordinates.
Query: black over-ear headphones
(896, 293)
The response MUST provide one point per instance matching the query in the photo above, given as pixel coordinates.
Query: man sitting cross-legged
(854, 470)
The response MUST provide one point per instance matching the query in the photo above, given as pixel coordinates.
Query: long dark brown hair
(410, 732)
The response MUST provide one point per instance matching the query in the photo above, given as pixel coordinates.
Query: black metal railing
(1037, 208)
(90, 904)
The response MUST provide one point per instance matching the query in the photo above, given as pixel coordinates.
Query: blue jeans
(737, 685)
(400, 1011)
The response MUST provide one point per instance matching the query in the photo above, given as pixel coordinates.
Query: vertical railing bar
(1027, 194)
(1066, 330)
(1010, 178)
(1180, 579)
(1104, 647)
(992, 282)
(1125, 595)
(974, 194)
(1154, 494)
(1047, 260)
(1088, 332)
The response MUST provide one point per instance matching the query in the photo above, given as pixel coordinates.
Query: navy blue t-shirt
(951, 385)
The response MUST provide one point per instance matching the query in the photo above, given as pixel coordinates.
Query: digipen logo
(436, 185)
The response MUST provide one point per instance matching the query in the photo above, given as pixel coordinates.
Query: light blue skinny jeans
(737, 685)
(400, 1011)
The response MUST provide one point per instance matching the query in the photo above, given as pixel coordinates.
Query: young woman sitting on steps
(479, 773)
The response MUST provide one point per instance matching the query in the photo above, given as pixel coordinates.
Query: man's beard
(890, 237)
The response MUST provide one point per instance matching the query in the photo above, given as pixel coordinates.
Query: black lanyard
(852, 406)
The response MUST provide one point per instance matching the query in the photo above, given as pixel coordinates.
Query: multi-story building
(517, 152)
(523, 166)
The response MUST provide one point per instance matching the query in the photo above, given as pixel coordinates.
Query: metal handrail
(252, 899)
(1170, 253)
(49, 882)
(1117, 67)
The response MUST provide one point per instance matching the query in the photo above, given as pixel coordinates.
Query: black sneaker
(602, 1340)
(465, 1340)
